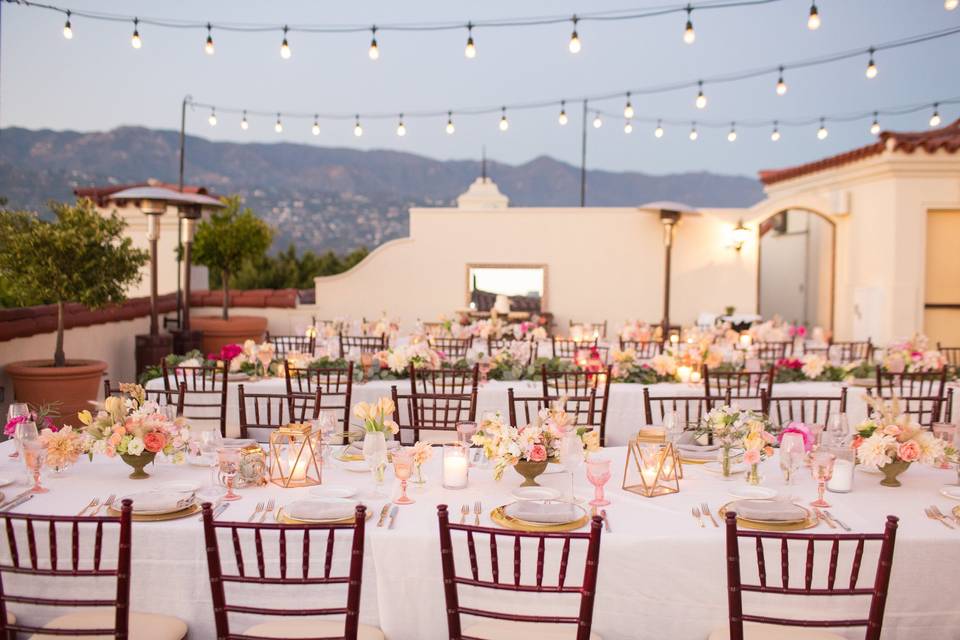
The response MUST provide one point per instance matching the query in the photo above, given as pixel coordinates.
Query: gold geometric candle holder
(294, 451)
(652, 469)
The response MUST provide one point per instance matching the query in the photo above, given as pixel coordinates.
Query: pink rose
(751, 457)
(154, 441)
(801, 331)
(538, 453)
(909, 451)
(10, 429)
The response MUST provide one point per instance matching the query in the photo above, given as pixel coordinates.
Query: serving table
(661, 575)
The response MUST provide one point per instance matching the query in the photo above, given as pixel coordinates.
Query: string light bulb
(374, 50)
(67, 29)
(822, 132)
(781, 85)
(935, 118)
(628, 108)
(562, 118)
(597, 120)
(450, 128)
(628, 127)
(243, 123)
(470, 51)
(871, 72)
(357, 129)
(315, 129)
(285, 46)
(813, 21)
(701, 100)
(213, 117)
(693, 132)
(775, 135)
(574, 45)
(135, 40)
(208, 45)
(401, 128)
(504, 124)
(732, 135)
(689, 35)
(875, 125)
(278, 127)
(950, 5)
(658, 132)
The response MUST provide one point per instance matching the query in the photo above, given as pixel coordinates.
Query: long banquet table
(660, 575)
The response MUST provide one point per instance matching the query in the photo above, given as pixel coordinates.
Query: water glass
(791, 456)
(598, 473)
(403, 468)
(228, 459)
(672, 427)
(17, 410)
(821, 466)
(838, 430)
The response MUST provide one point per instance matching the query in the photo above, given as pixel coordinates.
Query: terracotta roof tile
(946, 138)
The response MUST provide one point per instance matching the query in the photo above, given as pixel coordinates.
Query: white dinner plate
(547, 513)
(752, 492)
(356, 466)
(333, 491)
(717, 468)
(5, 481)
(179, 487)
(536, 493)
(325, 510)
(158, 502)
(951, 491)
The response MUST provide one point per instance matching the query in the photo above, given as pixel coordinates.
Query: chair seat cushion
(756, 631)
(510, 630)
(143, 626)
(309, 629)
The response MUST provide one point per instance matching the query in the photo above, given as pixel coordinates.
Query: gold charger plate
(499, 516)
(283, 518)
(693, 461)
(159, 517)
(757, 525)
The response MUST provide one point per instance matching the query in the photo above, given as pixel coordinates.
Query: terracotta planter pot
(217, 332)
(38, 382)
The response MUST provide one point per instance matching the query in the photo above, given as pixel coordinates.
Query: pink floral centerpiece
(913, 356)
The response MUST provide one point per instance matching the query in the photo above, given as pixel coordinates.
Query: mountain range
(323, 198)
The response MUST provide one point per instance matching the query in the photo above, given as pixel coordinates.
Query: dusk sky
(97, 81)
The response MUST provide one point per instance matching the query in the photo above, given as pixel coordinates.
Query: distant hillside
(324, 198)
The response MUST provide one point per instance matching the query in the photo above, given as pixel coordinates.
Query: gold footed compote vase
(138, 462)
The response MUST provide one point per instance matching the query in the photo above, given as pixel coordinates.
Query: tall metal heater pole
(583, 158)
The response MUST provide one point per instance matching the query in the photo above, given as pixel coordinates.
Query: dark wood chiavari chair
(593, 328)
(568, 349)
(952, 354)
(453, 349)
(807, 409)
(264, 412)
(494, 345)
(205, 393)
(102, 617)
(925, 410)
(579, 383)
(948, 407)
(444, 380)
(501, 624)
(278, 576)
(523, 410)
(432, 412)
(770, 353)
(921, 384)
(691, 408)
(161, 396)
(847, 352)
(832, 585)
(335, 383)
(365, 344)
(292, 344)
(645, 349)
(743, 386)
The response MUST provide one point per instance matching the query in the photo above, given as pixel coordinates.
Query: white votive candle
(455, 466)
(842, 479)
(683, 372)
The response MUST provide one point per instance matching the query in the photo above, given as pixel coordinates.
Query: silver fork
(271, 503)
(93, 503)
(706, 512)
(106, 503)
(477, 510)
(256, 512)
(940, 514)
(696, 514)
(933, 516)
(464, 512)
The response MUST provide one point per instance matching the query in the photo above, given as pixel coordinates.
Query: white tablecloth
(660, 575)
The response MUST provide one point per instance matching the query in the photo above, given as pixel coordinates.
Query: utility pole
(583, 159)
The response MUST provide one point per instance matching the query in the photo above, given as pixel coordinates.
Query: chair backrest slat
(415, 412)
(444, 380)
(453, 349)
(807, 409)
(364, 344)
(292, 344)
(274, 410)
(568, 348)
(645, 349)
(205, 391)
(691, 408)
(918, 384)
(578, 384)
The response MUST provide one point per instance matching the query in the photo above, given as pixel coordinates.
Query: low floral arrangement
(422, 452)
(383, 326)
(397, 360)
(733, 428)
(627, 367)
(771, 331)
(42, 416)
(811, 366)
(63, 446)
(639, 331)
(377, 417)
(131, 425)
(511, 361)
(913, 356)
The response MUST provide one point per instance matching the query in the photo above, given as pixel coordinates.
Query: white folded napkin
(159, 501)
(542, 512)
(768, 510)
(321, 509)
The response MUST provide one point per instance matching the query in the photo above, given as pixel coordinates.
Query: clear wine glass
(672, 427)
(228, 459)
(838, 430)
(791, 456)
(17, 410)
(821, 466)
(571, 457)
(598, 473)
(209, 444)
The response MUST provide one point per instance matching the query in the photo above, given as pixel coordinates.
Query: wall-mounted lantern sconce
(739, 236)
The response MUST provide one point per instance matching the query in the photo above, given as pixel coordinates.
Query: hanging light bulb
(374, 50)
(243, 123)
(822, 132)
(315, 129)
(658, 132)
(871, 67)
(701, 100)
(781, 85)
(470, 50)
(875, 126)
(357, 129)
(213, 117)
(628, 108)
(574, 45)
(732, 135)
(935, 118)
(67, 29)
(775, 135)
(450, 127)
(628, 127)
(562, 118)
(813, 22)
(689, 35)
(693, 132)
(950, 5)
(278, 127)
(597, 121)
(208, 45)
(504, 125)
(285, 46)
(401, 128)
(135, 40)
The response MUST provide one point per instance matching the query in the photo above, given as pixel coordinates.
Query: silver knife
(606, 520)
(843, 525)
(223, 507)
(9, 502)
(18, 501)
(393, 516)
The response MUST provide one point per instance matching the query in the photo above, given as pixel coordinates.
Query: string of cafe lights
(574, 44)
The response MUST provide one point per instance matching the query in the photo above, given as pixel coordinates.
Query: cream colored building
(884, 260)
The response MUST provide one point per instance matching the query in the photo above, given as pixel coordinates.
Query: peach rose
(892, 430)
(154, 441)
(751, 456)
(538, 453)
(909, 451)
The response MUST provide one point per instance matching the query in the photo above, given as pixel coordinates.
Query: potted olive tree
(223, 243)
(80, 256)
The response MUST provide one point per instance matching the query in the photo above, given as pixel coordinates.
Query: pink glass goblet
(598, 473)
(403, 468)
(821, 466)
(228, 459)
(34, 455)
